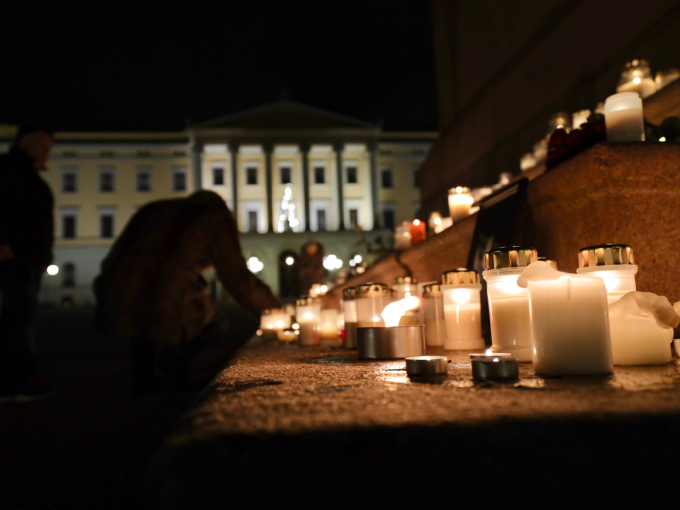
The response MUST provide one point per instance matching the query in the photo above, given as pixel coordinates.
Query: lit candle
(623, 118)
(489, 354)
(349, 307)
(329, 325)
(637, 77)
(460, 201)
(641, 326)
(495, 368)
(404, 285)
(287, 335)
(433, 315)
(509, 303)
(435, 219)
(402, 236)
(426, 365)
(578, 118)
(462, 310)
(527, 162)
(308, 312)
(569, 322)
(614, 263)
(417, 231)
(371, 300)
(442, 225)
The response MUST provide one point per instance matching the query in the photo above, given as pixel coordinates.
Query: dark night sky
(131, 69)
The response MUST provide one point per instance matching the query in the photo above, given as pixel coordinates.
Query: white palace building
(350, 182)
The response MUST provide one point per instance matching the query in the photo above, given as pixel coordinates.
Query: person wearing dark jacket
(150, 289)
(26, 236)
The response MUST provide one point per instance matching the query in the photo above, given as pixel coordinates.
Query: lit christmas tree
(287, 219)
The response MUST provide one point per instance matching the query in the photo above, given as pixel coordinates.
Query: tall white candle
(623, 118)
(462, 310)
(569, 322)
(433, 313)
(460, 201)
(308, 317)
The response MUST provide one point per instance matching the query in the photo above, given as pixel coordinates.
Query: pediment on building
(285, 115)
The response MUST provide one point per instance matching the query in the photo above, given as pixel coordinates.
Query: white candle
(614, 263)
(623, 118)
(641, 325)
(371, 300)
(460, 201)
(433, 314)
(308, 319)
(569, 322)
(462, 310)
(329, 324)
(509, 313)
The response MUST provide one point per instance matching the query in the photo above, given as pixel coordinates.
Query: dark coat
(26, 205)
(151, 286)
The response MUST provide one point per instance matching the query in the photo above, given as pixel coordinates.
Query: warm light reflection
(53, 270)
(416, 222)
(394, 311)
(489, 352)
(636, 80)
(296, 326)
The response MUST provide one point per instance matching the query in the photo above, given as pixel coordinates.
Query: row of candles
(566, 324)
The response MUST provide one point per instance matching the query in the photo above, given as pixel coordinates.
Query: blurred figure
(151, 289)
(26, 236)
(311, 265)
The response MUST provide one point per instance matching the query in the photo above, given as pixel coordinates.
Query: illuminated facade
(347, 180)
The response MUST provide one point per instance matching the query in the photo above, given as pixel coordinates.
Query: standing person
(150, 289)
(26, 236)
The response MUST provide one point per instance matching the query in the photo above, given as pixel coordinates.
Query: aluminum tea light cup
(494, 368)
(426, 365)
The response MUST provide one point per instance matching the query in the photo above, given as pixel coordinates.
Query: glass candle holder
(623, 118)
(559, 120)
(462, 310)
(417, 230)
(578, 118)
(460, 201)
(508, 302)
(614, 263)
(274, 319)
(433, 315)
(637, 77)
(402, 236)
(371, 300)
(328, 325)
(308, 314)
(404, 284)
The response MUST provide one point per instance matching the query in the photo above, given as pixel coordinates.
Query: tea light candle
(509, 303)
(287, 335)
(494, 368)
(308, 312)
(462, 310)
(490, 354)
(569, 322)
(614, 263)
(417, 231)
(433, 315)
(460, 201)
(623, 118)
(426, 365)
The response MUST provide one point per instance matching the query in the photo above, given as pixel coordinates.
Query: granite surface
(283, 424)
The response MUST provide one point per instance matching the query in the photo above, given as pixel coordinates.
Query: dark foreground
(88, 446)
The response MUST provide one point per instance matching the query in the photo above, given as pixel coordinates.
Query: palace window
(69, 180)
(68, 272)
(252, 221)
(386, 178)
(69, 223)
(144, 179)
(353, 218)
(286, 172)
(352, 176)
(389, 217)
(251, 175)
(179, 179)
(106, 223)
(319, 175)
(218, 176)
(107, 180)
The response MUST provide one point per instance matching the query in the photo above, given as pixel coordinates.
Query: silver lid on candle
(432, 290)
(405, 279)
(372, 290)
(460, 276)
(551, 263)
(605, 255)
(426, 365)
(349, 294)
(509, 256)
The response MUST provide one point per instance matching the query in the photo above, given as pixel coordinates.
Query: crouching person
(150, 288)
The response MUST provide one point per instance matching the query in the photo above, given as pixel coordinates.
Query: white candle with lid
(641, 325)
(509, 303)
(623, 118)
(569, 322)
(371, 299)
(404, 284)
(462, 309)
(460, 201)
(614, 263)
(308, 314)
(328, 327)
(433, 315)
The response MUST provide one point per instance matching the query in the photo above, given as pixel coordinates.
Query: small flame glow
(393, 312)
(296, 326)
(488, 352)
(308, 315)
(636, 80)
(416, 222)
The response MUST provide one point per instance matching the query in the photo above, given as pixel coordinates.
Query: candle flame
(416, 222)
(488, 352)
(393, 312)
(636, 80)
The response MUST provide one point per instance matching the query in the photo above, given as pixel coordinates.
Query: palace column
(233, 149)
(268, 149)
(373, 150)
(338, 148)
(304, 150)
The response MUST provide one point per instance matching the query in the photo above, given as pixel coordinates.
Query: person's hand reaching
(6, 252)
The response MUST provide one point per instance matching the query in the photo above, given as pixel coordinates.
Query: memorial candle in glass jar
(614, 263)
(371, 299)
(623, 118)
(404, 284)
(433, 314)
(462, 309)
(308, 314)
(460, 201)
(509, 303)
